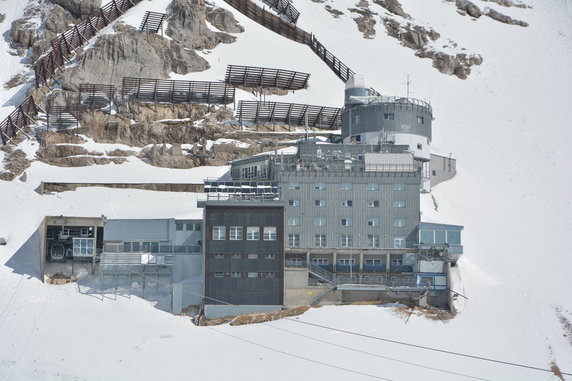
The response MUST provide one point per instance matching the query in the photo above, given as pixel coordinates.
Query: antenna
(408, 83)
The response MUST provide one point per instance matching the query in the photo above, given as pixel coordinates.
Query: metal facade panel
(136, 229)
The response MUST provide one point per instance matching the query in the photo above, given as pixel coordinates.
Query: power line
(376, 355)
(301, 357)
(385, 339)
(426, 347)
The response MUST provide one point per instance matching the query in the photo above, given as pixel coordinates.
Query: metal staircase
(322, 274)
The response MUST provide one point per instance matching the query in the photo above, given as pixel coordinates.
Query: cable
(301, 357)
(376, 355)
(385, 339)
(427, 348)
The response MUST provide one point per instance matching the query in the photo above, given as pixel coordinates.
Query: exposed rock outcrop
(2, 17)
(187, 25)
(466, 7)
(15, 163)
(131, 54)
(393, 6)
(508, 3)
(334, 12)
(224, 20)
(365, 21)
(79, 8)
(495, 15)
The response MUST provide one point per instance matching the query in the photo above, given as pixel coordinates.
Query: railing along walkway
(24, 115)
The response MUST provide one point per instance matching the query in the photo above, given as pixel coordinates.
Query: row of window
(244, 256)
(322, 221)
(348, 203)
(187, 226)
(236, 233)
(452, 237)
(346, 240)
(345, 261)
(346, 186)
(237, 274)
(391, 116)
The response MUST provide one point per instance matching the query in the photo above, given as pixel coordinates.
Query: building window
(366, 278)
(218, 256)
(372, 187)
(320, 202)
(399, 204)
(270, 233)
(398, 187)
(270, 275)
(294, 202)
(270, 256)
(219, 233)
(253, 275)
(320, 186)
(293, 221)
(320, 221)
(373, 204)
(346, 262)
(235, 274)
(433, 172)
(419, 146)
(347, 240)
(321, 261)
(179, 226)
(320, 240)
(453, 237)
(197, 227)
(252, 256)
(373, 262)
(236, 256)
(399, 241)
(399, 222)
(440, 236)
(420, 119)
(218, 275)
(294, 240)
(373, 240)
(389, 116)
(426, 236)
(292, 186)
(346, 186)
(346, 221)
(373, 222)
(235, 233)
(347, 203)
(252, 233)
(396, 262)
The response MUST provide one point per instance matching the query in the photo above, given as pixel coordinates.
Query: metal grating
(152, 22)
(171, 91)
(18, 119)
(62, 117)
(95, 95)
(251, 76)
(292, 114)
(284, 8)
(67, 43)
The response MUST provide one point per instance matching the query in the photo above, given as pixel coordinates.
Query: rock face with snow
(187, 25)
(79, 8)
(224, 20)
(130, 53)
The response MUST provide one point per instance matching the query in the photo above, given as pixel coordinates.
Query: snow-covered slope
(508, 126)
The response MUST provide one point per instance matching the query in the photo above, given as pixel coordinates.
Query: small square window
(218, 275)
(419, 146)
(373, 204)
(270, 256)
(347, 203)
(294, 240)
(420, 119)
(270, 233)
(235, 233)
(321, 203)
(292, 186)
(294, 202)
(252, 233)
(235, 274)
(389, 116)
(372, 187)
(320, 240)
(398, 187)
(219, 233)
(346, 186)
(434, 172)
(346, 221)
(179, 226)
(347, 240)
(399, 204)
(252, 256)
(320, 186)
(399, 241)
(253, 275)
(219, 256)
(236, 256)
(399, 222)
(320, 221)
(373, 222)
(294, 221)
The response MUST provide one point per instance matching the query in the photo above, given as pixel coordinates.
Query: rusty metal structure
(292, 114)
(174, 91)
(284, 8)
(65, 44)
(24, 115)
(252, 76)
(152, 22)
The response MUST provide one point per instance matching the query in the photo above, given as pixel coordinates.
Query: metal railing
(118, 248)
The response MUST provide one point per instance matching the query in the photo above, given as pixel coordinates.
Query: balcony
(329, 268)
(347, 268)
(374, 269)
(401, 269)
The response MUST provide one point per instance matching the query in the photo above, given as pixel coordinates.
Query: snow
(508, 125)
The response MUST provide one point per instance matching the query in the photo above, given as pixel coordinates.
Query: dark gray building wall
(370, 118)
(235, 256)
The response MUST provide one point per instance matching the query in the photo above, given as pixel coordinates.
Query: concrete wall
(442, 169)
